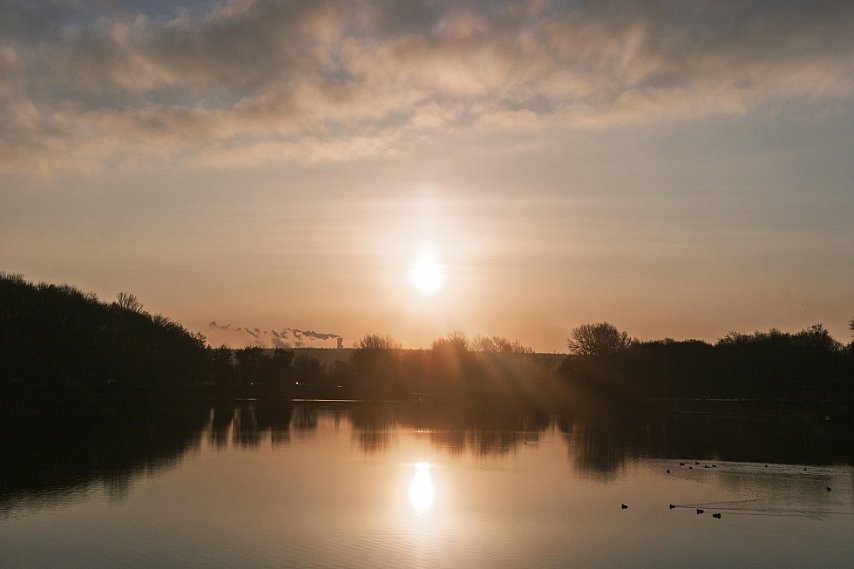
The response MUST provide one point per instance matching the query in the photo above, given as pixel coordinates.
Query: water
(359, 485)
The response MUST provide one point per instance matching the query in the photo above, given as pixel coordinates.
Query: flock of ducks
(716, 515)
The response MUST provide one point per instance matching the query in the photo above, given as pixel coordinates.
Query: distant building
(340, 344)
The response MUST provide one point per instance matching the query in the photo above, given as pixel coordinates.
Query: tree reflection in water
(455, 428)
(50, 450)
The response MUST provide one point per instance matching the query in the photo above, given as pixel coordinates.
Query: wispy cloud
(249, 81)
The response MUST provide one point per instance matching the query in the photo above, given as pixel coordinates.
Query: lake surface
(366, 485)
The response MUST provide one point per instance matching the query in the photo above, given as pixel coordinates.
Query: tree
(455, 343)
(307, 370)
(597, 340)
(128, 301)
(499, 344)
(851, 326)
(223, 367)
(376, 366)
(817, 338)
(376, 342)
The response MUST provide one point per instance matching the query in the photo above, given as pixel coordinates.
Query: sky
(680, 169)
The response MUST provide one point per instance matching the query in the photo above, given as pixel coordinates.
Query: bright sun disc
(426, 275)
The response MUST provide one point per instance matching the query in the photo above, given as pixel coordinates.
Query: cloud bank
(84, 85)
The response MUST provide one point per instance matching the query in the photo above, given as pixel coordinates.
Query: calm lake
(372, 485)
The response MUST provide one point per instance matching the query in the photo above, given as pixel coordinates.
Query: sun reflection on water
(422, 491)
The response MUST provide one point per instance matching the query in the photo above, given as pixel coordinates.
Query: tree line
(56, 337)
(378, 368)
(809, 365)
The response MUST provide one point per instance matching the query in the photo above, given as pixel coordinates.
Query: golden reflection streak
(422, 491)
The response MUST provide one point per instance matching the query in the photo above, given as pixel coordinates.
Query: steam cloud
(284, 338)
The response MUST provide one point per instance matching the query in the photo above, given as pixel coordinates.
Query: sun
(426, 275)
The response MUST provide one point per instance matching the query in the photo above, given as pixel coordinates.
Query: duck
(717, 515)
(624, 507)
(700, 511)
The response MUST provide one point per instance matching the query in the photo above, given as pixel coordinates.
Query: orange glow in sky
(413, 169)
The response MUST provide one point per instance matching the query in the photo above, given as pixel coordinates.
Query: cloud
(84, 86)
(240, 336)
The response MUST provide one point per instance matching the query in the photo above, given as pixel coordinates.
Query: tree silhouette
(597, 340)
(57, 337)
(307, 370)
(456, 342)
(128, 301)
(223, 368)
(375, 342)
(376, 366)
(499, 344)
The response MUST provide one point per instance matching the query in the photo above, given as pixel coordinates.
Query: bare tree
(456, 342)
(499, 344)
(377, 342)
(128, 301)
(597, 340)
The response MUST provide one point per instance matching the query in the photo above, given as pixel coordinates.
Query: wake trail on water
(758, 507)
